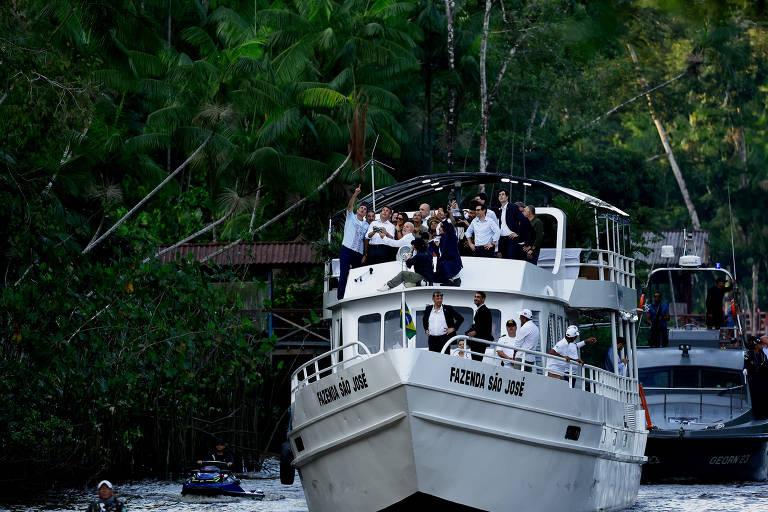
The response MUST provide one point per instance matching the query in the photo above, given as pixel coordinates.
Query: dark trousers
(348, 259)
(378, 254)
(436, 342)
(482, 252)
(508, 247)
(659, 337)
(477, 346)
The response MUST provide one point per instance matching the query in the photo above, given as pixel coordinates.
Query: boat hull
(424, 430)
(705, 457)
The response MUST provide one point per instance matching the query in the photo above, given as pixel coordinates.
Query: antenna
(733, 251)
(373, 179)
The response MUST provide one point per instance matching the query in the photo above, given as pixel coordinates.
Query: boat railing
(313, 370)
(595, 380)
(607, 266)
(740, 393)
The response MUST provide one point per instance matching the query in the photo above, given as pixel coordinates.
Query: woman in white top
(461, 351)
(568, 350)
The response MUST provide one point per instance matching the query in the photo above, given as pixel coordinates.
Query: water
(164, 496)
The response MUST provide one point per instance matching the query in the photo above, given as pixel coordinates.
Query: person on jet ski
(107, 501)
(221, 454)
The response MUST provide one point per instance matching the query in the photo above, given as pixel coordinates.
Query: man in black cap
(107, 501)
(220, 453)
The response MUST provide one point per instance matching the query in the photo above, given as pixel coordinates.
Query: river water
(164, 496)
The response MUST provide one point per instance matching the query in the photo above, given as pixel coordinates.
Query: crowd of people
(511, 231)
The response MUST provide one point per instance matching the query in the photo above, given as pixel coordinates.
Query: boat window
(717, 378)
(655, 378)
(393, 330)
(369, 331)
(685, 378)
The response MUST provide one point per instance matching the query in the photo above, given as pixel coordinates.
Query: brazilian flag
(410, 328)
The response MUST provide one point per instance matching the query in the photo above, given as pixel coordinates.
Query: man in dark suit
(482, 327)
(515, 228)
(440, 322)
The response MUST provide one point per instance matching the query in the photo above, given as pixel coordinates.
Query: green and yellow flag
(410, 328)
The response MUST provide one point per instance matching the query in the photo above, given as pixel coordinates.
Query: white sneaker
(384, 288)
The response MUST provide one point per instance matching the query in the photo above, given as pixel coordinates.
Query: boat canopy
(422, 186)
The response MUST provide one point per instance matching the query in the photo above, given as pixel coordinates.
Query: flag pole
(402, 313)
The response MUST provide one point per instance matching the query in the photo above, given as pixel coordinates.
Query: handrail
(601, 382)
(297, 383)
(740, 390)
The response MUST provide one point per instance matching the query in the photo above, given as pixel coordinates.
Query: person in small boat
(608, 362)
(507, 351)
(440, 322)
(220, 453)
(568, 350)
(421, 261)
(657, 317)
(715, 317)
(461, 351)
(107, 501)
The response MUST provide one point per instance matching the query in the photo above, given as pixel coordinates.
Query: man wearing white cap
(107, 501)
(527, 338)
(568, 350)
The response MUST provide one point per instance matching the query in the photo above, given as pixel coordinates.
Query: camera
(376, 229)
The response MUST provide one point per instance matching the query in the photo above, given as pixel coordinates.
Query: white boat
(381, 423)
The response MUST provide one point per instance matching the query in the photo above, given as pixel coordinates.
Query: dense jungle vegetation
(111, 361)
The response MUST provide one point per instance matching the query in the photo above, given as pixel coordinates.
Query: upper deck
(600, 275)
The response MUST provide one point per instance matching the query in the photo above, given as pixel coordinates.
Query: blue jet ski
(215, 479)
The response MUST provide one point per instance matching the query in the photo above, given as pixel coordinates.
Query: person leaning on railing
(568, 350)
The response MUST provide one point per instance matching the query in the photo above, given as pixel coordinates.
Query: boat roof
(425, 185)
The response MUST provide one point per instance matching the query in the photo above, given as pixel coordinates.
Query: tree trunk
(667, 147)
(484, 103)
(450, 135)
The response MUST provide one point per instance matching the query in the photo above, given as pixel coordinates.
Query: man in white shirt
(568, 350)
(378, 251)
(506, 350)
(483, 232)
(527, 339)
(440, 322)
(405, 241)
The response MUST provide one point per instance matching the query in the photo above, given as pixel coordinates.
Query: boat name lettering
(468, 377)
(332, 393)
(729, 459)
(495, 383)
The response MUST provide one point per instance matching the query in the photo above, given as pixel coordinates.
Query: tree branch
(282, 214)
(148, 196)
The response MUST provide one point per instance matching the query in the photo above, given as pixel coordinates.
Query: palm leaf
(147, 142)
(198, 37)
(320, 97)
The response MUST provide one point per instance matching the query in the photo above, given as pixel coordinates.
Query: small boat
(704, 428)
(215, 479)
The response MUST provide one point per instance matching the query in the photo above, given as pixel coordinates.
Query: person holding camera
(378, 251)
(483, 233)
(448, 259)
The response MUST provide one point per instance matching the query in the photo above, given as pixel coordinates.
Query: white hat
(526, 313)
(572, 331)
(105, 482)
